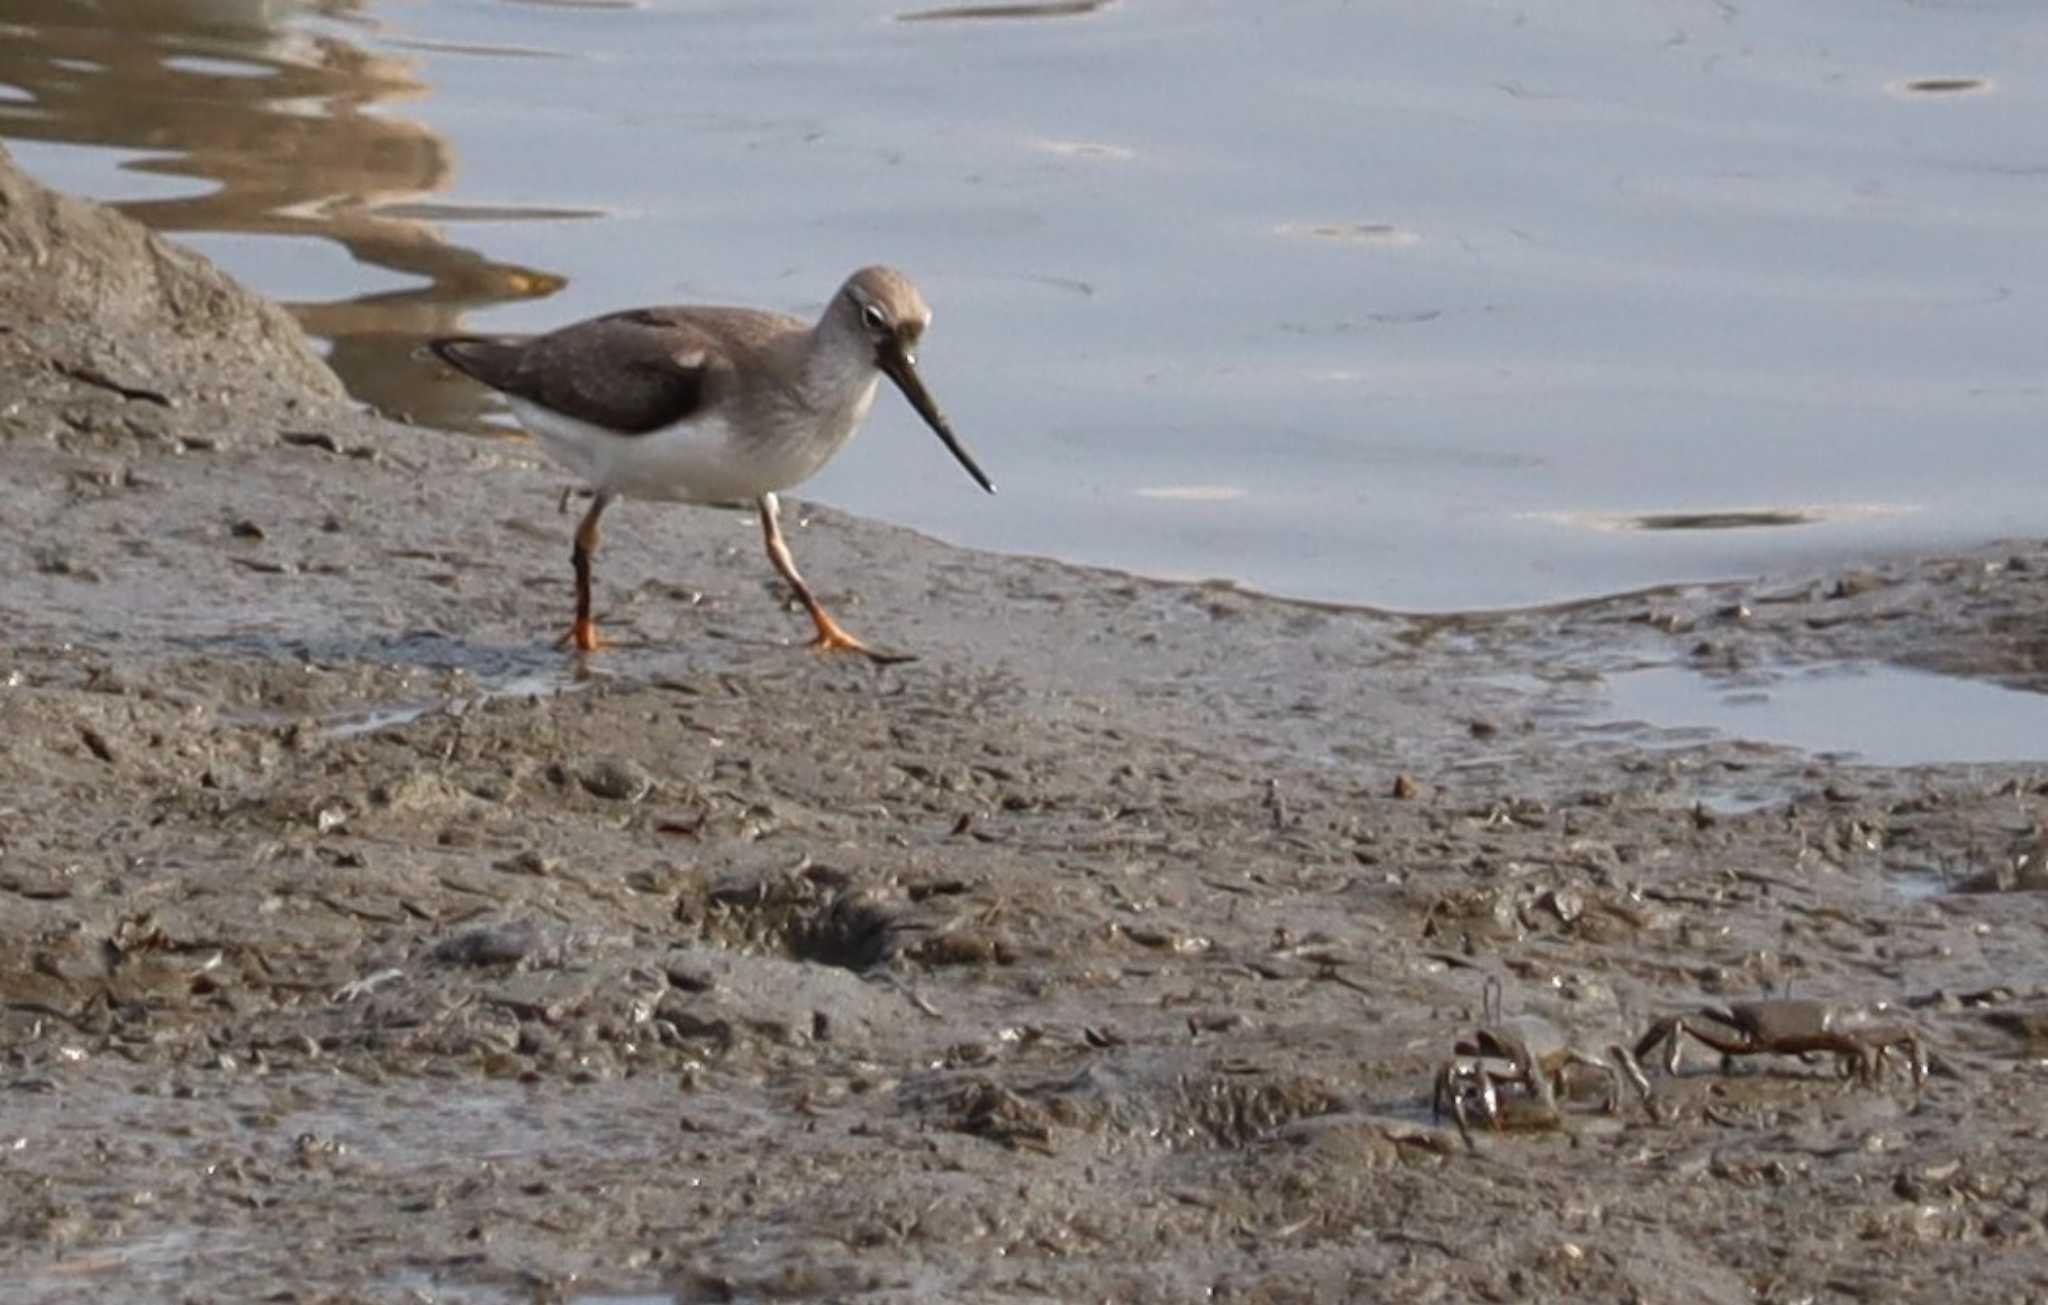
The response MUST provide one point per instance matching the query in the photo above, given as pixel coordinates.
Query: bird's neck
(837, 375)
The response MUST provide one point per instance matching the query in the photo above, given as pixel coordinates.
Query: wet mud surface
(357, 944)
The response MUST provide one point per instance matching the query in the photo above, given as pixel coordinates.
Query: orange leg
(831, 636)
(583, 634)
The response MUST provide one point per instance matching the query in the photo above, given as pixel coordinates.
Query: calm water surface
(1428, 305)
(1879, 715)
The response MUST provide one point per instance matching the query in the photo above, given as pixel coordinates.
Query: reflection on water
(289, 127)
(1351, 233)
(1726, 520)
(1944, 85)
(1463, 305)
(1050, 9)
(1757, 518)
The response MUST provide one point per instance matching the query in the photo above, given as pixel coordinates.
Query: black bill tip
(898, 364)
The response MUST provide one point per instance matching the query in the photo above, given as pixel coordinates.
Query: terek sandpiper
(711, 405)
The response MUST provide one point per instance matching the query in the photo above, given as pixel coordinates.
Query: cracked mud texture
(358, 945)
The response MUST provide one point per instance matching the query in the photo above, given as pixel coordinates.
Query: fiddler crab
(1526, 1051)
(1859, 1037)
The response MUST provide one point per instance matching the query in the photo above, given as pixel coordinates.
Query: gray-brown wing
(631, 372)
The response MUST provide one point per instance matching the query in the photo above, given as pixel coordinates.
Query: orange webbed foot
(582, 636)
(833, 638)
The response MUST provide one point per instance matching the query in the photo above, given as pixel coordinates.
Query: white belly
(702, 461)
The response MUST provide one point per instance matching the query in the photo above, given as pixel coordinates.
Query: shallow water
(1875, 714)
(1424, 306)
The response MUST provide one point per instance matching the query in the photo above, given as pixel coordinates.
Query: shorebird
(711, 406)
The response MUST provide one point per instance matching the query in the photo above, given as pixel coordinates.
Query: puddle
(1878, 714)
(1920, 883)
(354, 724)
(417, 1285)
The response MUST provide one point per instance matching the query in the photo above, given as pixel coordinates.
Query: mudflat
(356, 943)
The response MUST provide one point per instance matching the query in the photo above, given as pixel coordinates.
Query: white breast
(700, 461)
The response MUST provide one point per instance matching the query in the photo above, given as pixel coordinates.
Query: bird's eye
(876, 319)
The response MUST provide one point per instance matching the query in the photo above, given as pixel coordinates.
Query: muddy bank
(357, 945)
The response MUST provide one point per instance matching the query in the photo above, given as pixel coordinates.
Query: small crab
(1859, 1037)
(1525, 1050)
